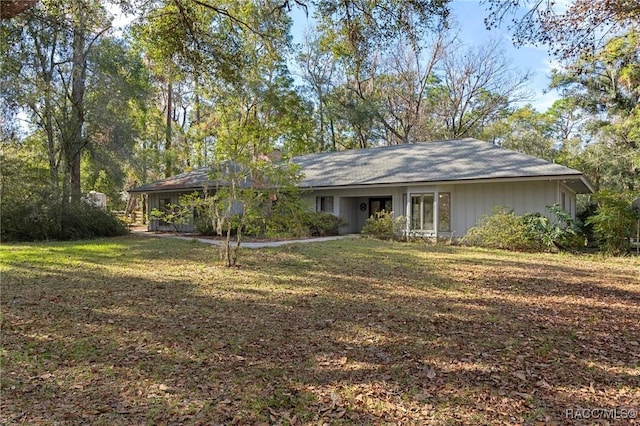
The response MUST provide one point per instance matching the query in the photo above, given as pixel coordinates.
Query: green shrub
(322, 224)
(531, 232)
(383, 226)
(613, 223)
(278, 226)
(544, 234)
(176, 215)
(82, 221)
(286, 217)
(537, 227)
(586, 229)
(203, 224)
(43, 217)
(503, 230)
(278, 223)
(32, 219)
(300, 224)
(567, 232)
(263, 217)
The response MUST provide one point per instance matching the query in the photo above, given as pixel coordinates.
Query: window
(422, 212)
(324, 204)
(444, 212)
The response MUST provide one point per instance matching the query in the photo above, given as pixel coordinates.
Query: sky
(470, 15)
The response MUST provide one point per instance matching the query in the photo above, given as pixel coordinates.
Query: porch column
(336, 205)
(408, 206)
(436, 203)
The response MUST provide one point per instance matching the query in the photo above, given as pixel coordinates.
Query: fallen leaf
(543, 384)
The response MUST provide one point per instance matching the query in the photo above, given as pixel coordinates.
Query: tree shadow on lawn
(577, 280)
(369, 344)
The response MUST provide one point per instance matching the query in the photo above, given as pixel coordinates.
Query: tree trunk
(51, 140)
(76, 141)
(321, 116)
(74, 172)
(333, 135)
(168, 172)
(201, 154)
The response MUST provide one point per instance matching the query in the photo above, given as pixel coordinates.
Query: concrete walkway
(246, 244)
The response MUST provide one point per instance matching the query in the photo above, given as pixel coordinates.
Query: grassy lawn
(137, 330)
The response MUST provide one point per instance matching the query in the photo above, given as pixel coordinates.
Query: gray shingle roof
(451, 160)
(193, 180)
(429, 162)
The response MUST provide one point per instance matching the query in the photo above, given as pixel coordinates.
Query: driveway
(246, 244)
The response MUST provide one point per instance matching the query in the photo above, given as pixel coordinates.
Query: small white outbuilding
(96, 199)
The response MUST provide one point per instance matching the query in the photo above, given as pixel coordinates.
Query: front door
(380, 203)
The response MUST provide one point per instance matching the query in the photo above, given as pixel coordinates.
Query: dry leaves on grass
(134, 331)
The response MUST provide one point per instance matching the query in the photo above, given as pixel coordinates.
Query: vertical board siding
(469, 201)
(472, 201)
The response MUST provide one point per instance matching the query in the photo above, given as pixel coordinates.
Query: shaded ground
(152, 331)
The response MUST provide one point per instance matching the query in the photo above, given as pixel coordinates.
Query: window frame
(438, 211)
(446, 214)
(321, 204)
(421, 221)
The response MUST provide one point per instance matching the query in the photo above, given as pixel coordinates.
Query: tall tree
(356, 32)
(598, 42)
(50, 66)
(252, 115)
(478, 84)
(525, 130)
(112, 121)
(407, 88)
(61, 69)
(318, 70)
(606, 88)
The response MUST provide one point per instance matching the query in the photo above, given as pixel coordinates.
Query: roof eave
(579, 177)
(143, 190)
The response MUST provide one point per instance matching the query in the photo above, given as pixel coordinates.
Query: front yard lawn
(139, 330)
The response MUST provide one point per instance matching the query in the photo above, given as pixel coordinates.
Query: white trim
(408, 215)
(436, 205)
(458, 182)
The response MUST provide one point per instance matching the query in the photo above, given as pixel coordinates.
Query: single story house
(442, 188)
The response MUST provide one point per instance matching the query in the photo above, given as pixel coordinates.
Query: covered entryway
(356, 210)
